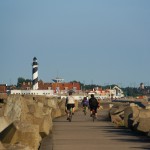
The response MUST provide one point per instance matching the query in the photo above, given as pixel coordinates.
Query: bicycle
(70, 115)
(93, 115)
(85, 110)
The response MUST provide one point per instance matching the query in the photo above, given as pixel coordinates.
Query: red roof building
(3, 88)
(52, 86)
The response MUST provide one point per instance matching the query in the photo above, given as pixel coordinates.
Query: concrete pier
(83, 134)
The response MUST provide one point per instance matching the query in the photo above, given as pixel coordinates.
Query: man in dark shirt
(93, 104)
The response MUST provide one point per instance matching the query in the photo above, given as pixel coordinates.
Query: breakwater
(134, 115)
(26, 120)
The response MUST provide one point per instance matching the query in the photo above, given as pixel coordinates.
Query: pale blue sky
(91, 41)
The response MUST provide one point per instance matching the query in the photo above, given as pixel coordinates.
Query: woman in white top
(70, 103)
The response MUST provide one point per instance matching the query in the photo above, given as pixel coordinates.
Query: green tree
(20, 81)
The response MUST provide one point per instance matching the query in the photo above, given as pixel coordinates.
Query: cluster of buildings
(57, 87)
(112, 93)
(36, 87)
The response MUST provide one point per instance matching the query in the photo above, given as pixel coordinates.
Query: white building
(115, 92)
(33, 92)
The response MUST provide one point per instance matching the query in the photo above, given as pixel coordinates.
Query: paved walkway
(83, 134)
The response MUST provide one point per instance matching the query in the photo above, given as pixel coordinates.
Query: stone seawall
(25, 120)
(132, 116)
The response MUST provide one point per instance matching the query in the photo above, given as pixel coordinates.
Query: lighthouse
(36, 90)
(35, 74)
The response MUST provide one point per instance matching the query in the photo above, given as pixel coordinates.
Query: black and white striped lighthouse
(35, 74)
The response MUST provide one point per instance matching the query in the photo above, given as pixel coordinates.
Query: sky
(92, 41)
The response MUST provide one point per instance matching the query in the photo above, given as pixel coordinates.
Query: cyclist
(70, 103)
(93, 104)
(85, 103)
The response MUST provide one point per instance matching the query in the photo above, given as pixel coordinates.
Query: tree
(20, 81)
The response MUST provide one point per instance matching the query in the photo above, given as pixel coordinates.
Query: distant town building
(57, 87)
(36, 87)
(3, 91)
(3, 88)
(58, 80)
(114, 92)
